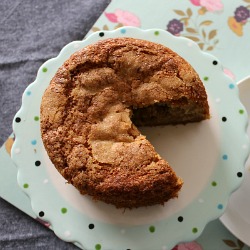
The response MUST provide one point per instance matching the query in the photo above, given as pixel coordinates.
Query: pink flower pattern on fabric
(195, 2)
(111, 17)
(127, 18)
(123, 17)
(210, 5)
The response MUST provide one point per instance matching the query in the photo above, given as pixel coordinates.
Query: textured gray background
(30, 33)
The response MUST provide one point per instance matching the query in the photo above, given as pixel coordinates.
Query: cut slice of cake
(91, 111)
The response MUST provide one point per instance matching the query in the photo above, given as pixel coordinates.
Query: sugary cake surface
(91, 110)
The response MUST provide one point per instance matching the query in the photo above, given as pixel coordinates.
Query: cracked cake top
(90, 113)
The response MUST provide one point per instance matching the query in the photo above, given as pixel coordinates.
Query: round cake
(91, 111)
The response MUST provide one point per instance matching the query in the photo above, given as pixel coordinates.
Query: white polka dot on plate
(123, 231)
(201, 200)
(67, 233)
(218, 100)
(45, 181)
(76, 46)
(17, 150)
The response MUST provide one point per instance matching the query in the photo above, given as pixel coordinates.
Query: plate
(236, 217)
(209, 156)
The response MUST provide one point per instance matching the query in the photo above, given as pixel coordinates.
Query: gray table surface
(30, 33)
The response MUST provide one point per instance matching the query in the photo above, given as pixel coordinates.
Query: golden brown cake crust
(86, 119)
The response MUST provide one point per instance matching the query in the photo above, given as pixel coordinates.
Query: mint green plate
(209, 156)
(236, 217)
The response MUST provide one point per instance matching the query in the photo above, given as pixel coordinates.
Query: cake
(93, 107)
